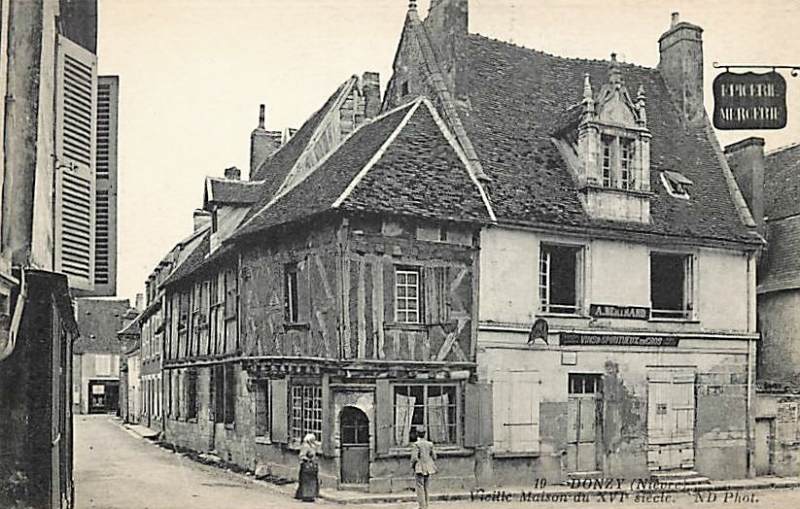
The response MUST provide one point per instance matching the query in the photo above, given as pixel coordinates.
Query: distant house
(129, 373)
(96, 354)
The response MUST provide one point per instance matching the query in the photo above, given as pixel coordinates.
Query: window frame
(689, 297)
(406, 310)
(263, 419)
(191, 394)
(307, 418)
(617, 170)
(291, 295)
(543, 287)
(456, 403)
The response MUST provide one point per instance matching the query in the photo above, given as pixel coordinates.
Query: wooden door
(670, 419)
(354, 429)
(763, 446)
(583, 422)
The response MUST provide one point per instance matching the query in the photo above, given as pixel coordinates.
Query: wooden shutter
(280, 412)
(76, 106)
(436, 291)
(478, 415)
(384, 410)
(327, 417)
(516, 411)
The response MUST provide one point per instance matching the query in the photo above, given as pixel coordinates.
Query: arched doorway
(354, 429)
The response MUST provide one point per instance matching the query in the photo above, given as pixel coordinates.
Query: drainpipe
(751, 343)
(16, 319)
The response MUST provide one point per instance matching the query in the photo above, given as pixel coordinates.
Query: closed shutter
(76, 106)
(279, 393)
(327, 417)
(437, 294)
(478, 415)
(516, 411)
(383, 415)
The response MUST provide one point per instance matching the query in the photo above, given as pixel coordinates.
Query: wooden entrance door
(583, 421)
(670, 419)
(354, 427)
(763, 446)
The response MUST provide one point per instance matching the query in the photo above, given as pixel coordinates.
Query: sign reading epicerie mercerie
(749, 101)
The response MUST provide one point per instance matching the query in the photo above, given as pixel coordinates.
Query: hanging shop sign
(614, 311)
(581, 339)
(749, 101)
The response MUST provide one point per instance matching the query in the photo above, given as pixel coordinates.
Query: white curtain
(404, 411)
(438, 424)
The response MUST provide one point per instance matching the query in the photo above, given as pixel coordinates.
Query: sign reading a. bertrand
(749, 101)
(613, 311)
(582, 339)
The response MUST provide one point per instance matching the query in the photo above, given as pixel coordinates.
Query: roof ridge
(784, 148)
(379, 153)
(553, 55)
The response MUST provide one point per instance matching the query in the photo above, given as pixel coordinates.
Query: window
(559, 278)
(582, 383)
(407, 286)
(191, 394)
(404, 89)
(306, 411)
(290, 293)
(432, 406)
(230, 393)
(616, 161)
(676, 184)
(216, 398)
(671, 285)
(263, 410)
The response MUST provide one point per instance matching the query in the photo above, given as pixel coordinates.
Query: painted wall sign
(749, 101)
(613, 311)
(581, 339)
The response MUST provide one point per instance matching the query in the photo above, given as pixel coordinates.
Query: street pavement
(115, 469)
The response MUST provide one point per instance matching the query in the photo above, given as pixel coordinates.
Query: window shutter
(478, 415)
(327, 417)
(76, 106)
(383, 415)
(279, 393)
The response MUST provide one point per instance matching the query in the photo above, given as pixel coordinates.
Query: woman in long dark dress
(308, 484)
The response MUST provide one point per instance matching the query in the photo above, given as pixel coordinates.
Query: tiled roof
(274, 170)
(233, 191)
(192, 259)
(417, 172)
(518, 98)
(782, 183)
(98, 323)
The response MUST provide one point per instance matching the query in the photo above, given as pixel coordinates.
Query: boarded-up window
(230, 393)
(263, 411)
(191, 394)
(278, 397)
(516, 411)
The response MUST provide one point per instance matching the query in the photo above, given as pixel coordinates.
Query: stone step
(673, 474)
(588, 474)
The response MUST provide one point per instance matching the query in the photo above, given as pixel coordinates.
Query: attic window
(404, 89)
(676, 184)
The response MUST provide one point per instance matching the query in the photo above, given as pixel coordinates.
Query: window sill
(514, 454)
(563, 315)
(442, 452)
(674, 320)
(296, 325)
(265, 440)
(421, 327)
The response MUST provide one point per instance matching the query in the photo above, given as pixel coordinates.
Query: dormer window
(676, 184)
(617, 161)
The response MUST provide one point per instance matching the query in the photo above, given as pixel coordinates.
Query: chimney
(681, 64)
(263, 143)
(371, 88)
(746, 160)
(140, 302)
(448, 16)
(201, 218)
(233, 173)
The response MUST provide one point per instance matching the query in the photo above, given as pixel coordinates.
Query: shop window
(407, 295)
(291, 301)
(432, 406)
(263, 410)
(671, 285)
(559, 278)
(583, 383)
(306, 412)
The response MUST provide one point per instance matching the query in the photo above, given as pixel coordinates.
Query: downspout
(751, 343)
(16, 319)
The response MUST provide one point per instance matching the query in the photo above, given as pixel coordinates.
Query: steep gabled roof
(518, 98)
(98, 322)
(190, 257)
(403, 162)
(782, 183)
(221, 190)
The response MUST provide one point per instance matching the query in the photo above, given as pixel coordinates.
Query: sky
(193, 72)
